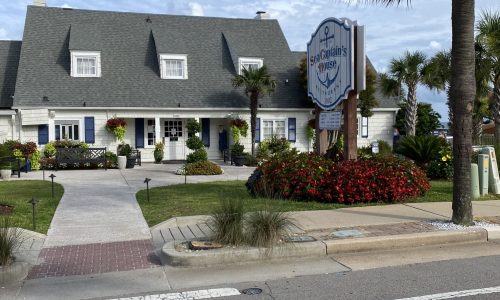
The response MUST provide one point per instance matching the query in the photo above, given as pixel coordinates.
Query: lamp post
(146, 181)
(33, 202)
(52, 176)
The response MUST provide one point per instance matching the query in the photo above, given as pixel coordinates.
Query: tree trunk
(450, 111)
(496, 112)
(477, 129)
(462, 92)
(411, 110)
(254, 102)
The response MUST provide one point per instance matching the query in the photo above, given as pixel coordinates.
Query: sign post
(336, 71)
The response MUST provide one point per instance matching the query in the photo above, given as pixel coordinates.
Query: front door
(174, 139)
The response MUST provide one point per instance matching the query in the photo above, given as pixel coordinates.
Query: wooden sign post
(336, 73)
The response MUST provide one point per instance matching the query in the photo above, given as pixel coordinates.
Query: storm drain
(251, 291)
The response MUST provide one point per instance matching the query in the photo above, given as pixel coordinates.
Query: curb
(239, 255)
(493, 233)
(406, 241)
(15, 272)
(172, 257)
(180, 221)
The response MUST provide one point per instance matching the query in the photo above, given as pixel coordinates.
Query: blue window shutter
(257, 130)
(205, 132)
(89, 130)
(292, 129)
(43, 134)
(139, 133)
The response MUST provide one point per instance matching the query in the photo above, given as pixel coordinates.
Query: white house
(75, 69)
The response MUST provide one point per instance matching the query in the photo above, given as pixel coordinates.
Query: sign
(330, 62)
(330, 120)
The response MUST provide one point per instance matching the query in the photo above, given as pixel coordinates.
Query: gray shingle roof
(9, 60)
(129, 44)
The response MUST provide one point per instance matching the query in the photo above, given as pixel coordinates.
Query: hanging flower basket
(239, 127)
(117, 126)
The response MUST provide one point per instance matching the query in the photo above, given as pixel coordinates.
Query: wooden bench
(17, 160)
(81, 156)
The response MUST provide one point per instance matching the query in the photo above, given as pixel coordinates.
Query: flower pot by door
(131, 162)
(5, 173)
(122, 162)
(239, 160)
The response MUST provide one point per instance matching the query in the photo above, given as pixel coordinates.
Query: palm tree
(255, 83)
(407, 70)
(462, 93)
(489, 40)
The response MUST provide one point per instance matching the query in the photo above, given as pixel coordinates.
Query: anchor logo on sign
(327, 82)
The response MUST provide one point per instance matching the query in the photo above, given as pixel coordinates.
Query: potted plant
(237, 154)
(126, 150)
(117, 126)
(158, 153)
(5, 169)
(239, 128)
(122, 152)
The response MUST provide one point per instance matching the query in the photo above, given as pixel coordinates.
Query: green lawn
(201, 198)
(18, 193)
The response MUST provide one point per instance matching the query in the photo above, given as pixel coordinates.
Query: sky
(425, 25)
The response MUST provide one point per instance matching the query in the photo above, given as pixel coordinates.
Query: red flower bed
(313, 177)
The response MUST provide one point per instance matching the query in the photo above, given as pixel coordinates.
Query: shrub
(193, 127)
(194, 143)
(158, 152)
(10, 240)
(69, 144)
(196, 156)
(270, 146)
(441, 166)
(265, 228)
(111, 159)
(49, 150)
(5, 152)
(421, 149)
(312, 177)
(203, 168)
(227, 221)
(35, 160)
(237, 149)
(124, 150)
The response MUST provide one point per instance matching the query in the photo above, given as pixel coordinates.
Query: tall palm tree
(462, 93)
(488, 38)
(255, 83)
(407, 70)
(438, 71)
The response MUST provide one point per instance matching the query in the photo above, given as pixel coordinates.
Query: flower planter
(130, 162)
(122, 162)
(239, 160)
(6, 173)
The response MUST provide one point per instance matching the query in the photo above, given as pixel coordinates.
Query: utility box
(475, 181)
(493, 178)
(483, 163)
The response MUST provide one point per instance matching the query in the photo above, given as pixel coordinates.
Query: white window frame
(163, 67)
(249, 60)
(262, 134)
(75, 55)
(363, 126)
(146, 132)
(69, 122)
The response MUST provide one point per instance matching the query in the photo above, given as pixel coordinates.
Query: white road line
(191, 295)
(457, 294)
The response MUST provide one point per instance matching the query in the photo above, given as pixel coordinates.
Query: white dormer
(85, 64)
(173, 66)
(250, 63)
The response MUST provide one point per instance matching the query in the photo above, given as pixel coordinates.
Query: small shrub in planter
(158, 153)
(203, 168)
(227, 221)
(238, 154)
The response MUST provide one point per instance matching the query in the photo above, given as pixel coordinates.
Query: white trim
(183, 57)
(7, 112)
(249, 60)
(224, 109)
(262, 120)
(382, 109)
(85, 54)
(146, 146)
(81, 130)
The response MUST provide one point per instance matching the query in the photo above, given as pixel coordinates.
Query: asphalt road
(388, 283)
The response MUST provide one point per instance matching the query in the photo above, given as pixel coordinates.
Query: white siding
(6, 128)
(380, 127)
(35, 116)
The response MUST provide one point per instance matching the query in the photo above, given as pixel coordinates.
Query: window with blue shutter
(205, 132)
(139, 133)
(292, 129)
(257, 130)
(43, 134)
(89, 130)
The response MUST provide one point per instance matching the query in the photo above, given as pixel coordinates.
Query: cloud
(435, 45)
(196, 9)
(3, 33)
(66, 5)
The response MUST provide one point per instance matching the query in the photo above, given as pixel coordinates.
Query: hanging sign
(330, 62)
(330, 120)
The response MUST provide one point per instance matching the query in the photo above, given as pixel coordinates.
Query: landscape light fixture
(146, 181)
(33, 202)
(52, 176)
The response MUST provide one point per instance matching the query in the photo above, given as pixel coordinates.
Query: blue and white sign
(330, 68)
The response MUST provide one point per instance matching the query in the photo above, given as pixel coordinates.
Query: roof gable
(9, 61)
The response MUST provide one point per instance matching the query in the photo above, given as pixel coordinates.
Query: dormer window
(85, 64)
(173, 66)
(250, 63)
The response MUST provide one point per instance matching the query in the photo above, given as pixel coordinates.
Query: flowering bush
(312, 177)
(203, 168)
(117, 126)
(441, 166)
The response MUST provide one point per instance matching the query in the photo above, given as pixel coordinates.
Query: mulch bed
(6, 210)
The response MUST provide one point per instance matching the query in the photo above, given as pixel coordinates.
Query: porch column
(158, 138)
